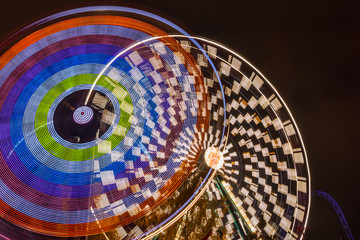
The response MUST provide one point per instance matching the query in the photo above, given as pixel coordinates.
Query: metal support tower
(338, 211)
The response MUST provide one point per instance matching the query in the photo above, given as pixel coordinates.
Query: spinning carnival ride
(117, 124)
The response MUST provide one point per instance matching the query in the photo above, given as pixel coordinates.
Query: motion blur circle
(83, 115)
(97, 121)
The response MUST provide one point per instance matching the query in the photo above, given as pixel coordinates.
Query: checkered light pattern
(265, 161)
(265, 166)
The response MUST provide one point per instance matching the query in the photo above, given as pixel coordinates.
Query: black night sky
(310, 52)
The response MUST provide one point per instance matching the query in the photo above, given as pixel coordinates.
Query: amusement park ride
(118, 124)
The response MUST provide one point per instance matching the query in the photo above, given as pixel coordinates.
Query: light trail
(155, 38)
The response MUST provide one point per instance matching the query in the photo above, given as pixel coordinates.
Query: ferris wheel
(118, 124)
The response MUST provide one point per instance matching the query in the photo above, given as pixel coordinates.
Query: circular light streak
(106, 179)
(83, 115)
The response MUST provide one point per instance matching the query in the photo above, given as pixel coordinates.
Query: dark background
(308, 50)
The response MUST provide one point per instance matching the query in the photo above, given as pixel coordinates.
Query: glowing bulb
(214, 158)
